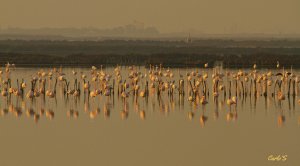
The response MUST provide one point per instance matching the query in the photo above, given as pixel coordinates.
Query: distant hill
(126, 32)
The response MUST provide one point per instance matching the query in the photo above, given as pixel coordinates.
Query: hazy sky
(209, 16)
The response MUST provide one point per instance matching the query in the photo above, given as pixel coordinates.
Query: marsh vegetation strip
(232, 53)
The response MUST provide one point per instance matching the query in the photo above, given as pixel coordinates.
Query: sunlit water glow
(165, 130)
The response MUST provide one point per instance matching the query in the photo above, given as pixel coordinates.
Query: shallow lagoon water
(166, 137)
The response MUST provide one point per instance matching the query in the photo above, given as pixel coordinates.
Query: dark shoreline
(164, 65)
(229, 53)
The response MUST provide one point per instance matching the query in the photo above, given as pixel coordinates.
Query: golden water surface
(243, 134)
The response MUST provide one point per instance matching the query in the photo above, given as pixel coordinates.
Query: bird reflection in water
(232, 113)
(231, 116)
(190, 115)
(142, 114)
(203, 119)
(42, 111)
(106, 111)
(216, 111)
(72, 114)
(30, 112)
(50, 114)
(3, 111)
(93, 114)
(36, 96)
(281, 118)
(124, 113)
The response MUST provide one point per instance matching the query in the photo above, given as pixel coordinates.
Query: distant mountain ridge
(135, 30)
(130, 30)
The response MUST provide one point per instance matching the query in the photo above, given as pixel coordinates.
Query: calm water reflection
(154, 130)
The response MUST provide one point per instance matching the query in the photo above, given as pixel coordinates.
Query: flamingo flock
(195, 86)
